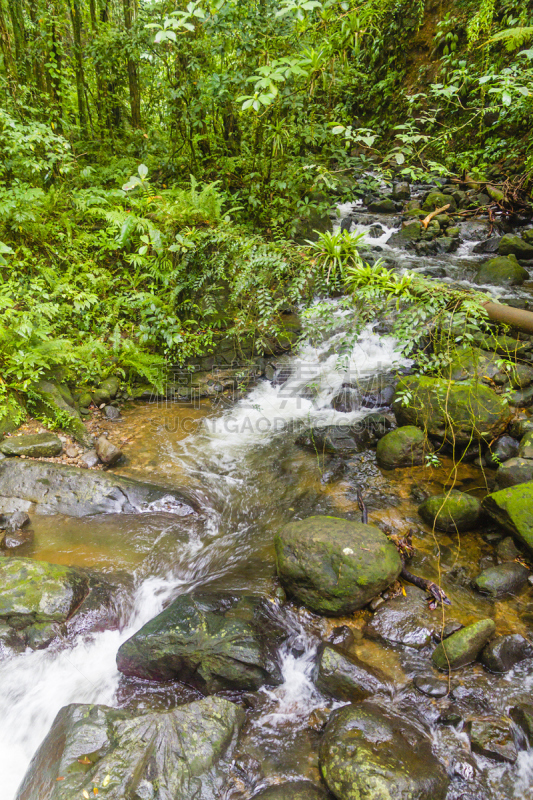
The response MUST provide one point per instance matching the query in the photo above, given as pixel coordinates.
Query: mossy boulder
(502, 271)
(367, 752)
(35, 591)
(525, 449)
(106, 391)
(38, 445)
(182, 753)
(451, 512)
(492, 736)
(211, 641)
(407, 235)
(294, 790)
(51, 399)
(382, 205)
(335, 566)
(463, 647)
(437, 199)
(473, 363)
(504, 579)
(512, 508)
(511, 244)
(449, 411)
(345, 677)
(403, 447)
(404, 620)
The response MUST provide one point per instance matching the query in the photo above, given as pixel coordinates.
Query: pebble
(72, 451)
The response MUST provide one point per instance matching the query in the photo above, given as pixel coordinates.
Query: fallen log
(514, 317)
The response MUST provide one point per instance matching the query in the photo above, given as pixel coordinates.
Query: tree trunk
(130, 13)
(7, 52)
(16, 12)
(75, 16)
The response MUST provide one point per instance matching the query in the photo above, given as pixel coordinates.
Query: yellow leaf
(106, 780)
(84, 760)
(95, 790)
(404, 592)
(85, 793)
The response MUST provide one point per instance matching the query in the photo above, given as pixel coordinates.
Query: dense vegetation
(158, 159)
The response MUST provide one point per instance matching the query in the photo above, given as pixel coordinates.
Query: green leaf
(143, 171)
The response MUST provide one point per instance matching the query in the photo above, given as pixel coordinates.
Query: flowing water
(249, 476)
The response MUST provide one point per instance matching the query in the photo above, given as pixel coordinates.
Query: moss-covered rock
(512, 508)
(448, 411)
(452, 511)
(51, 399)
(505, 579)
(183, 753)
(38, 445)
(345, 677)
(335, 566)
(474, 363)
(383, 205)
(511, 244)
(106, 391)
(407, 235)
(502, 271)
(526, 446)
(492, 737)
(35, 591)
(294, 790)
(403, 447)
(437, 199)
(211, 641)
(370, 753)
(463, 647)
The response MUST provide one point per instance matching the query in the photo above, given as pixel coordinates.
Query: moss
(502, 271)
(512, 508)
(452, 511)
(403, 447)
(462, 648)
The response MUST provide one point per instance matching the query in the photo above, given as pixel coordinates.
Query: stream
(242, 465)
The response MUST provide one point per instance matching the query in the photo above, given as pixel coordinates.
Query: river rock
(401, 191)
(430, 686)
(370, 753)
(451, 512)
(526, 446)
(183, 753)
(504, 448)
(211, 641)
(455, 412)
(436, 200)
(512, 508)
(17, 538)
(504, 579)
(334, 566)
(337, 439)
(492, 736)
(504, 652)
(506, 550)
(404, 620)
(511, 244)
(15, 521)
(403, 447)
(107, 452)
(383, 205)
(345, 677)
(35, 591)
(60, 489)
(502, 271)
(406, 236)
(106, 391)
(463, 647)
(38, 445)
(89, 459)
(514, 471)
(522, 715)
(295, 790)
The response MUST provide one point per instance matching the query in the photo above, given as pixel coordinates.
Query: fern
(513, 38)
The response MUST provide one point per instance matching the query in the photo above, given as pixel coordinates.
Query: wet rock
(523, 398)
(512, 508)
(526, 446)
(35, 591)
(403, 620)
(107, 452)
(377, 425)
(111, 413)
(447, 244)
(511, 244)
(15, 521)
(337, 439)
(367, 752)
(401, 191)
(383, 205)
(406, 236)
(505, 579)
(513, 472)
(504, 652)
(430, 686)
(452, 511)
(59, 489)
(84, 400)
(71, 452)
(181, 753)
(38, 445)
(451, 716)
(50, 396)
(492, 737)
(473, 362)
(341, 636)
(506, 550)
(335, 566)
(505, 448)
(520, 376)
(208, 640)
(375, 231)
(522, 715)
(347, 399)
(464, 646)
(456, 412)
(41, 634)
(90, 459)
(403, 447)
(345, 677)
(488, 245)
(436, 200)
(295, 790)
(16, 539)
(502, 271)
(450, 627)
